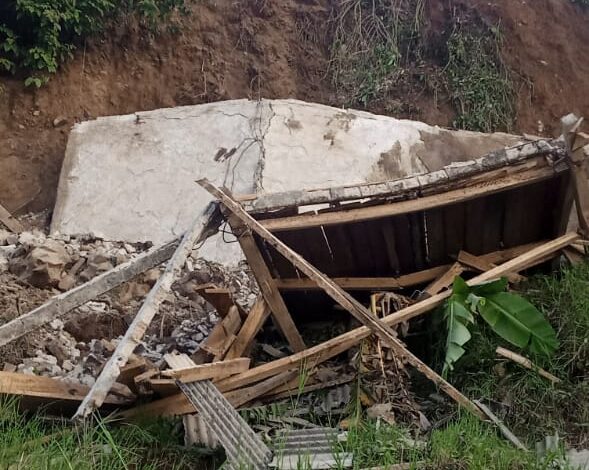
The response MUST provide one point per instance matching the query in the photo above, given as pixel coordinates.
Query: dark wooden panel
(387, 229)
(454, 227)
(340, 243)
(403, 243)
(436, 237)
(493, 222)
(475, 226)
(418, 242)
(362, 249)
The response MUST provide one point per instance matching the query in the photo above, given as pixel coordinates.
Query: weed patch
(368, 44)
(35, 443)
(479, 82)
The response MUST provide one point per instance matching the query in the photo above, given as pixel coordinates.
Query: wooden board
(33, 386)
(268, 287)
(252, 325)
(212, 371)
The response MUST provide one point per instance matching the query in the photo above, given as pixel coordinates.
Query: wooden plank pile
(223, 372)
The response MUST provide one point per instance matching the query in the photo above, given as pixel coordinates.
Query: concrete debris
(76, 347)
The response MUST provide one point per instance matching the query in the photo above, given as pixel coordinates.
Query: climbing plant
(512, 317)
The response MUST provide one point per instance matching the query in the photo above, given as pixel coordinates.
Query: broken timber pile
(498, 215)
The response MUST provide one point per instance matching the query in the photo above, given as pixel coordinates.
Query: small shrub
(38, 35)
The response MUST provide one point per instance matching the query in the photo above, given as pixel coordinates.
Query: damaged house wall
(132, 177)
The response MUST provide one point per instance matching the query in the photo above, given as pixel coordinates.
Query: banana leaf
(457, 317)
(516, 320)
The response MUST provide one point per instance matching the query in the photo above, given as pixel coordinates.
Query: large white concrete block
(132, 177)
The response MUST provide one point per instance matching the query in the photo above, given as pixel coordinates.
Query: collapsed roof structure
(393, 206)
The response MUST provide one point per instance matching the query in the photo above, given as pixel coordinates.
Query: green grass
(531, 406)
(33, 442)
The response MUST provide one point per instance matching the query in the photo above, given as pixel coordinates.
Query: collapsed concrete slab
(132, 177)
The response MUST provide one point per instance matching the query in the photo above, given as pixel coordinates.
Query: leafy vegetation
(38, 35)
(530, 405)
(382, 54)
(510, 316)
(479, 81)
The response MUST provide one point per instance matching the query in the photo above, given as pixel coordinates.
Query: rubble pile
(33, 267)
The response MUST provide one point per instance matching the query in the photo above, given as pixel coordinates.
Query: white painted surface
(132, 177)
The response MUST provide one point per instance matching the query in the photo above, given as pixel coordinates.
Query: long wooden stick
(343, 298)
(63, 303)
(201, 229)
(525, 362)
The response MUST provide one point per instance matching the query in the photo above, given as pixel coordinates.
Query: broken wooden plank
(214, 370)
(240, 397)
(481, 264)
(525, 362)
(268, 287)
(509, 181)
(504, 429)
(212, 346)
(10, 221)
(163, 387)
(331, 348)
(33, 386)
(252, 325)
(205, 224)
(344, 299)
(368, 283)
(577, 152)
(63, 303)
(444, 281)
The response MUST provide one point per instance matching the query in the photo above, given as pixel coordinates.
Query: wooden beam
(444, 281)
(212, 371)
(67, 301)
(368, 283)
(204, 225)
(242, 396)
(331, 348)
(525, 362)
(212, 346)
(268, 287)
(10, 221)
(360, 312)
(252, 325)
(33, 386)
(510, 181)
(481, 264)
(578, 152)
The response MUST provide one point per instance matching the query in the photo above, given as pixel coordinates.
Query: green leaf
(516, 320)
(492, 287)
(457, 318)
(460, 288)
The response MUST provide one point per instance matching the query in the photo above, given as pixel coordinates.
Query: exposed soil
(272, 49)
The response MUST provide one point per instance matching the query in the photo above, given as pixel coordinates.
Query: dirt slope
(256, 49)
